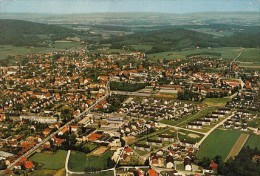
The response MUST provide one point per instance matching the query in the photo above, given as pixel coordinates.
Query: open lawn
(253, 141)
(219, 142)
(216, 101)
(50, 161)
(78, 161)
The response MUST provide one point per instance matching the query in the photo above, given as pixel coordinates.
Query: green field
(9, 50)
(216, 101)
(255, 123)
(142, 47)
(248, 54)
(253, 141)
(79, 161)
(50, 161)
(219, 142)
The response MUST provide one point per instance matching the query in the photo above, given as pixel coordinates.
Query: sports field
(219, 142)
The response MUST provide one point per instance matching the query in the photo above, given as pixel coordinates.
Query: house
(213, 165)
(46, 131)
(128, 151)
(169, 162)
(224, 110)
(218, 114)
(152, 172)
(142, 147)
(154, 142)
(63, 131)
(256, 158)
(187, 164)
(203, 121)
(194, 125)
(164, 137)
(28, 165)
(211, 118)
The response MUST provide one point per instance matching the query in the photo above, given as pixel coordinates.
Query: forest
(25, 33)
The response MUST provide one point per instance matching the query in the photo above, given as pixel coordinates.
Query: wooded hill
(25, 33)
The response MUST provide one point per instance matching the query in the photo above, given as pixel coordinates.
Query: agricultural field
(9, 50)
(248, 54)
(216, 101)
(78, 161)
(238, 146)
(253, 141)
(50, 161)
(142, 47)
(219, 142)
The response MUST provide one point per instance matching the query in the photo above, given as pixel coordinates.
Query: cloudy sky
(90, 6)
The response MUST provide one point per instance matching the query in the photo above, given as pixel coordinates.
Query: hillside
(178, 39)
(25, 33)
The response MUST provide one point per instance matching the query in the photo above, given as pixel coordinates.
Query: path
(238, 146)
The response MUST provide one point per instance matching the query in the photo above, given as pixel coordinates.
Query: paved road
(131, 93)
(32, 150)
(212, 129)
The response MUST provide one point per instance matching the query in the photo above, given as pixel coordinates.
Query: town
(122, 114)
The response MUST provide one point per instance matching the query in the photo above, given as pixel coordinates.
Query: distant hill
(178, 39)
(25, 33)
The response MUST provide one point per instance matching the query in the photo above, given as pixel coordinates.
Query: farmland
(9, 50)
(238, 146)
(253, 141)
(211, 146)
(248, 54)
(50, 161)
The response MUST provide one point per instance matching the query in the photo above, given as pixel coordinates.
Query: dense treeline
(25, 33)
(243, 164)
(124, 86)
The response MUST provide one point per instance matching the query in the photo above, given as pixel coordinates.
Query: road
(212, 129)
(131, 93)
(32, 150)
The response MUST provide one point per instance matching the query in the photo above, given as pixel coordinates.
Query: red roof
(128, 150)
(23, 159)
(213, 165)
(28, 165)
(94, 137)
(152, 172)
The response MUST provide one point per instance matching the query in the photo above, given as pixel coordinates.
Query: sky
(161, 6)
